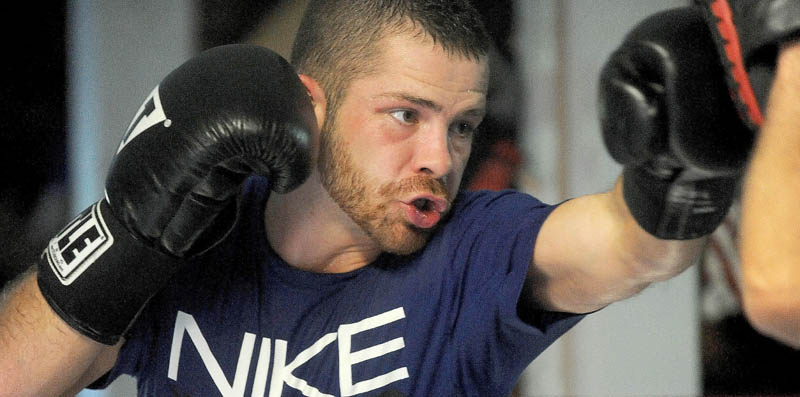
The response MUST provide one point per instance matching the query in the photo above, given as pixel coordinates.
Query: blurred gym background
(76, 71)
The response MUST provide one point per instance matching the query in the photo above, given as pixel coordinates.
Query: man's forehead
(423, 44)
(483, 82)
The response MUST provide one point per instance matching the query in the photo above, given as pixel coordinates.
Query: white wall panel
(649, 344)
(117, 52)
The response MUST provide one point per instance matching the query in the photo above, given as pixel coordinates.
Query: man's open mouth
(425, 212)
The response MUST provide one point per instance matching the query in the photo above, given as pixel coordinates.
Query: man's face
(394, 155)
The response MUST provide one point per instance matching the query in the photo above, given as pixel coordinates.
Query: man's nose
(433, 156)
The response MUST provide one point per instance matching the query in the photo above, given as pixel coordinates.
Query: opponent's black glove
(668, 118)
(748, 35)
(172, 189)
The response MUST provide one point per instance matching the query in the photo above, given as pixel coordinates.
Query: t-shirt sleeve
(495, 238)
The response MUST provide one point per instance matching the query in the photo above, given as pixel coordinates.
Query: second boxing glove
(668, 118)
(171, 191)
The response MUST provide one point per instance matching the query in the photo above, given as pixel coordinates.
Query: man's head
(337, 40)
(404, 83)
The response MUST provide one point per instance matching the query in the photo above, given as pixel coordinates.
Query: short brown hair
(336, 39)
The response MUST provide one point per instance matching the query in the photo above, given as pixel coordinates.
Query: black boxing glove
(172, 189)
(748, 35)
(668, 118)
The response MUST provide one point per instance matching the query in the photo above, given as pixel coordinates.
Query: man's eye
(463, 129)
(404, 115)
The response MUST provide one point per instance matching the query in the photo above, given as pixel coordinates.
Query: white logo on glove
(76, 247)
(149, 114)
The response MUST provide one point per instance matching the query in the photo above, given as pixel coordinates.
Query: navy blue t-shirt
(240, 321)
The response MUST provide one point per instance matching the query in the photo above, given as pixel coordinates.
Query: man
(758, 40)
(368, 273)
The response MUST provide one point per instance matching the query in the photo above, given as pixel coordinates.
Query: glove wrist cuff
(676, 209)
(97, 276)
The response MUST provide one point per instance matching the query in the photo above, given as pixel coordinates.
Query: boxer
(218, 264)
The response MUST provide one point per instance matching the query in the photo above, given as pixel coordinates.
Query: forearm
(770, 228)
(39, 353)
(615, 259)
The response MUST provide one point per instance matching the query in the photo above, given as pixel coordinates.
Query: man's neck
(310, 232)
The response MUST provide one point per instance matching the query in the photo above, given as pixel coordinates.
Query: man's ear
(317, 97)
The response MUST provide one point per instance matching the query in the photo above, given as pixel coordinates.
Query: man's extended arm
(591, 252)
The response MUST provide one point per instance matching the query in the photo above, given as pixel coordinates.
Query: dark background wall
(32, 122)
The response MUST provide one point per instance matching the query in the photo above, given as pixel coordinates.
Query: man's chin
(406, 241)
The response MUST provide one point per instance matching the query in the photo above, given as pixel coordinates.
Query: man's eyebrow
(426, 103)
(477, 112)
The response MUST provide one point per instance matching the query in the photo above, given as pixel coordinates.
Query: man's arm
(770, 226)
(30, 331)
(591, 252)
(170, 194)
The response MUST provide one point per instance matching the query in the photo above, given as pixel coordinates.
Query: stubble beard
(366, 203)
